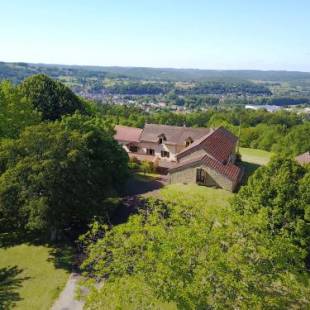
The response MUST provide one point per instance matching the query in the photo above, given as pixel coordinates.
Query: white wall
(172, 149)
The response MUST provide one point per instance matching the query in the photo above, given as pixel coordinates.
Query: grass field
(195, 194)
(255, 156)
(29, 278)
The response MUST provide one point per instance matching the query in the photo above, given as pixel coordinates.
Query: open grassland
(255, 156)
(29, 277)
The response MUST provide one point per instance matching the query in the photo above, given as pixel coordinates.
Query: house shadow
(10, 282)
(134, 195)
(142, 185)
(249, 169)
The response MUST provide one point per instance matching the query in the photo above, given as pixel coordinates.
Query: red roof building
(190, 155)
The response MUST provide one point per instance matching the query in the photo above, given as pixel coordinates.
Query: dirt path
(66, 300)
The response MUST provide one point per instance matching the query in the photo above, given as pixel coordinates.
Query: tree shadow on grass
(63, 256)
(15, 238)
(9, 285)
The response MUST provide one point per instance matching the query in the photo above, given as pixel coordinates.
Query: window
(200, 176)
(150, 152)
(188, 141)
(165, 154)
(161, 139)
(133, 148)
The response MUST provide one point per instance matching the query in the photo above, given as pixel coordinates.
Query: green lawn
(255, 156)
(29, 278)
(195, 194)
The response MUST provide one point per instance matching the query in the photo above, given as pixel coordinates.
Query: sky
(205, 34)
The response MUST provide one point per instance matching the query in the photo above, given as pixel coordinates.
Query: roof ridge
(198, 142)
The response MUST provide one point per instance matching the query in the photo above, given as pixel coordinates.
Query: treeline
(226, 87)
(281, 132)
(202, 88)
(17, 72)
(284, 101)
(165, 74)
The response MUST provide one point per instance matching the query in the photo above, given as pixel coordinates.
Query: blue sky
(217, 34)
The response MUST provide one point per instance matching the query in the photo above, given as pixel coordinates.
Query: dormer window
(161, 139)
(188, 141)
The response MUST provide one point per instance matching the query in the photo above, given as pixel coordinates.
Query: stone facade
(213, 178)
(182, 151)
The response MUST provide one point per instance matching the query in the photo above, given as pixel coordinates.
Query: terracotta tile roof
(303, 158)
(231, 171)
(127, 134)
(173, 134)
(218, 144)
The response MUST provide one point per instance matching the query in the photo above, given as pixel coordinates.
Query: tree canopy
(196, 258)
(57, 175)
(52, 98)
(281, 189)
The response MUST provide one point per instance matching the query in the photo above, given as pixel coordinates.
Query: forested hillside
(186, 88)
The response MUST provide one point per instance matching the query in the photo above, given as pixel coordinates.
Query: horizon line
(149, 67)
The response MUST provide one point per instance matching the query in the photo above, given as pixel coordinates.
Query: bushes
(141, 166)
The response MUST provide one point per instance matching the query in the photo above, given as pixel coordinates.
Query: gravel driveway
(66, 300)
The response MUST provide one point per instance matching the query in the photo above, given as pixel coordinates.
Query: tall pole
(239, 133)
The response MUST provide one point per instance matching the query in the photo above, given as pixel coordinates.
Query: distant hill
(197, 74)
(18, 71)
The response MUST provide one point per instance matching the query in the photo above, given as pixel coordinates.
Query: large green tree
(52, 98)
(196, 258)
(57, 175)
(281, 189)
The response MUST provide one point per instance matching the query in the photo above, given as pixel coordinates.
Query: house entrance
(203, 178)
(200, 176)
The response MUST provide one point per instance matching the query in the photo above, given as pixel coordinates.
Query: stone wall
(188, 176)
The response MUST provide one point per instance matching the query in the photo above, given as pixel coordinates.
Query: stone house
(189, 155)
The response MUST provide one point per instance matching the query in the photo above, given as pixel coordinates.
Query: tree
(15, 111)
(281, 189)
(197, 259)
(51, 98)
(56, 176)
(296, 141)
(130, 293)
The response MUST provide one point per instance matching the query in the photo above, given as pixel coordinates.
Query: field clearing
(255, 156)
(29, 278)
